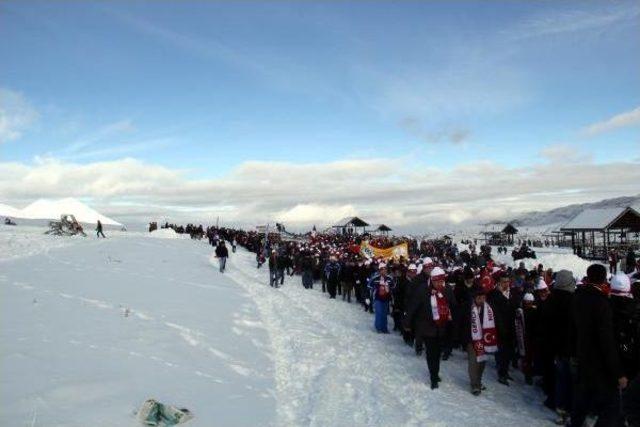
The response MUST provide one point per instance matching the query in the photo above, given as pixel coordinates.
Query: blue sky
(204, 87)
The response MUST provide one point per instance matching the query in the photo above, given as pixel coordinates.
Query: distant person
(222, 253)
(99, 230)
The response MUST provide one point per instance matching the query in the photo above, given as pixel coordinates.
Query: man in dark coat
(418, 287)
(556, 330)
(600, 374)
(222, 253)
(504, 312)
(331, 275)
(431, 321)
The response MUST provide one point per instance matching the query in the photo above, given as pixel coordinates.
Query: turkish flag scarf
(483, 334)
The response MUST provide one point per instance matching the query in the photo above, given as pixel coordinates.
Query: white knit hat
(437, 272)
(542, 285)
(621, 285)
(427, 261)
(412, 267)
(528, 297)
(382, 265)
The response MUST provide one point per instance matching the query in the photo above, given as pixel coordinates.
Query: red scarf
(483, 332)
(440, 308)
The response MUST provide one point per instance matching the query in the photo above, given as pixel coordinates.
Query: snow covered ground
(91, 328)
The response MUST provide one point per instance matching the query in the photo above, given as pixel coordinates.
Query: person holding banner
(381, 286)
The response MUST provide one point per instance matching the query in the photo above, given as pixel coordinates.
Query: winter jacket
(332, 272)
(374, 287)
(556, 323)
(625, 330)
(222, 251)
(596, 350)
(505, 315)
(420, 315)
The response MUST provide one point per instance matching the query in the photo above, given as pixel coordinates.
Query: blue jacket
(374, 287)
(332, 269)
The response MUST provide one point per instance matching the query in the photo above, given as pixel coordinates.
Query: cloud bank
(394, 191)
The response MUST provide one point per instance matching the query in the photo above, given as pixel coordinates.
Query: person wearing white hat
(430, 313)
(381, 287)
(625, 325)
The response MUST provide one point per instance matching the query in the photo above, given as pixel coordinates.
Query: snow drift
(52, 209)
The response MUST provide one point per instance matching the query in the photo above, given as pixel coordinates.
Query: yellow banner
(397, 251)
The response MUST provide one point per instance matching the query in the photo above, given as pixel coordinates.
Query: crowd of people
(578, 339)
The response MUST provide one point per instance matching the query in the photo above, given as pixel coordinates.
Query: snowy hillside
(565, 213)
(52, 209)
(91, 328)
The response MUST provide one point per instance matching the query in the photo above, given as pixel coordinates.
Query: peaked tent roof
(510, 229)
(351, 220)
(598, 219)
(383, 227)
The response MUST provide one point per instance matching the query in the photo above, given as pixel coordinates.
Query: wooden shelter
(509, 231)
(383, 230)
(594, 232)
(501, 237)
(350, 225)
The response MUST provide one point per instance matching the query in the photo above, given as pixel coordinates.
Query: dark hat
(477, 290)
(596, 274)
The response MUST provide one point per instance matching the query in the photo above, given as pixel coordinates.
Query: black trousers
(503, 358)
(332, 287)
(434, 352)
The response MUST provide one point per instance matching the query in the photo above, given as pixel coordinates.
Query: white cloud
(16, 114)
(576, 20)
(382, 191)
(626, 119)
(564, 153)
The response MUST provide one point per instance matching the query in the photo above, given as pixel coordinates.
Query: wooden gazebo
(350, 225)
(594, 232)
(509, 231)
(383, 230)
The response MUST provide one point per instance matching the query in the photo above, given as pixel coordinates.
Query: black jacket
(556, 325)
(598, 362)
(505, 315)
(222, 251)
(420, 316)
(625, 330)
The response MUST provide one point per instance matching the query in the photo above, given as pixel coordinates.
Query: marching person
(600, 375)
(431, 313)
(478, 336)
(381, 286)
(222, 253)
(505, 324)
(332, 276)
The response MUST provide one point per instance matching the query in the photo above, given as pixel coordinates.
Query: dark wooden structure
(383, 230)
(350, 225)
(500, 238)
(594, 232)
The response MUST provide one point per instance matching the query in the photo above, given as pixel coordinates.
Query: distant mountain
(52, 209)
(564, 214)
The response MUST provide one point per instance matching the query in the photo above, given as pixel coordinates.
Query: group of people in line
(578, 339)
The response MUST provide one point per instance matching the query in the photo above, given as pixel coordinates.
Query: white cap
(382, 265)
(620, 284)
(412, 267)
(437, 271)
(427, 261)
(528, 297)
(542, 285)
